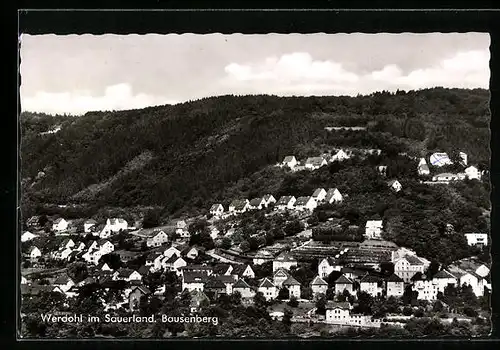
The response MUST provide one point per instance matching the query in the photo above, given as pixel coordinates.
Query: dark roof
(194, 277)
(413, 260)
(318, 281)
(142, 288)
(239, 269)
(125, 272)
(241, 284)
(370, 279)
(153, 256)
(221, 268)
(290, 281)
(334, 305)
(288, 159)
(284, 200)
(266, 283)
(214, 283)
(315, 160)
(317, 192)
(239, 204)
(281, 270)
(226, 279)
(419, 276)
(172, 259)
(394, 278)
(302, 200)
(343, 280)
(143, 270)
(256, 202)
(443, 274)
(62, 280)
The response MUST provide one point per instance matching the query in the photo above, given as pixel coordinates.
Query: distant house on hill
(319, 194)
(333, 196)
(285, 202)
(113, 225)
(27, 236)
(239, 206)
(314, 163)
(289, 162)
(285, 260)
(60, 225)
(440, 159)
(382, 170)
(243, 288)
(326, 266)
(373, 229)
(423, 168)
(395, 286)
(157, 239)
(293, 287)
(472, 173)
(305, 203)
(407, 266)
(280, 276)
(34, 253)
(318, 286)
(269, 198)
(88, 225)
(372, 285)
(340, 156)
(268, 289)
(463, 157)
(135, 295)
(477, 239)
(216, 209)
(344, 283)
(394, 185)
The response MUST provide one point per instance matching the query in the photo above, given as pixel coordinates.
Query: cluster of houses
(313, 163)
(441, 159)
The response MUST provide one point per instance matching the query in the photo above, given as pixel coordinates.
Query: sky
(75, 74)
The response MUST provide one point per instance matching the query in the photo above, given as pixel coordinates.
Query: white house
(216, 209)
(469, 278)
(426, 288)
(243, 288)
(442, 279)
(407, 266)
(257, 203)
(262, 257)
(395, 286)
(171, 251)
(127, 275)
(182, 229)
(371, 285)
(373, 229)
(394, 185)
(305, 203)
(67, 243)
(113, 225)
(314, 163)
(152, 258)
(318, 286)
(214, 232)
(27, 236)
(319, 194)
(62, 253)
(191, 253)
(286, 202)
(337, 313)
(243, 271)
(463, 156)
(293, 287)
(239, 206)
(88, 225)
(268, 289)
(382, 170)
(60, 225)
(340, 156)
(280, 276)
(290, 162)
(333, 195)
(344, 283)
(472, 173)
(285, 261)
(174, 263)
(34, 253)
(105, 246)
(440, 159)
(158, 238)
(269, 198)
(477, 239)
(93, 255)
(327, 266)
(423, 168)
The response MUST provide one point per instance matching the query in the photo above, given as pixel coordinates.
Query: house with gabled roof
(424, 286)
(407, 266)
(257, 203)
(293, 287)
(88, 224)
(243, 271)
(285, 260)
(305, 203)
(269, 198)
(198, 300)
(135, 295)
(127, 275)
(443, 279)
(157, 239)
(343, 283)
(327, 265)
(382, 170)
(27, 236)
(394, 185)
(469, 278)
(172, 250)
(194, 280)
(373, 229)
(215, 287)
(60, 225)
(290, 162)
(268, 289)
(152, 257)
(216, 209)
(472, 173)
(440, 159)
(239, 206)
(372, 285)
(477, 239)
(34, 253)
(423, 168)
(395, 286)
(64, 283)
(318, 286)
(222, 269)
(229, 281)
(337, 312)
(333, 195)
(319, 194)
(313, 163)
(174, 263)
(105, 246)
(244, 289)
(285, 202)
(280, 276)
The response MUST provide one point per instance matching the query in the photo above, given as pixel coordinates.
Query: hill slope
(199, 149)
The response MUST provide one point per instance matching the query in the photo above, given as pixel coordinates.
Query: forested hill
(186, 156)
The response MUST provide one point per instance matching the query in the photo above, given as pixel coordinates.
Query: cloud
(116, 97)
(299, 74)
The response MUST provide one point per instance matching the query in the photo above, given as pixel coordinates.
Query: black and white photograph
(257, 186)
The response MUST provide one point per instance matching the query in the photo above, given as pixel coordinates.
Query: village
(321, 283)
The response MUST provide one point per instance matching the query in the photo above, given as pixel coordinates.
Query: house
(34, 253)
(104, 267)
(268, 289)
(216, 209)
(477, 239)
(469, 278)
(257, 203)
(426, 288)
(314, 163)
(394, 286)
(198, 300)
(343, 283)
(305, 203)
(24, 280)
(243, 271)
(64, 283)
(93, 255)
(463, 157)
(172, 251)
(27, 236)
(60, 225)
(116, 224)
(443, 279)
(62, 253)
(262, 257)
(423, 168)
(87, 225)
(243, 288)
(373, 229)
(127, 275)
(191, 252)
(67, 243)
(280, 276)
(319, 194)
(337, 313)
(445, 177)
(284, 260)
(472, 173)
(290, 162)
(229, 281)
(326, 266)
(407, 266)
(193, 280)
(157, 239)
(215, 287)
(174, 263)
(182, 229)
(79, 247)
(372, 285)
(223, 269)
(285, 202)
(340, 156)
(382, 170)
(239, 206)
(152, 258)
(318, 286)
(105, 246)
(394, 185)
(293, 287)
(333, 196)
(135, 295)
(440, 159)
(207, 270)
(269, 198)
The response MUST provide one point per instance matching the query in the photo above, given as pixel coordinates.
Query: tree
(245, 246)
(259, 300)
(293, 302)
(151, 218)
(365, 303)
(77, 271)
(306, 293)
(432, 269)
(283, 293)
(321, 305)
(387, 268)
(113, 260)
(226, 243)
(287, 319)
